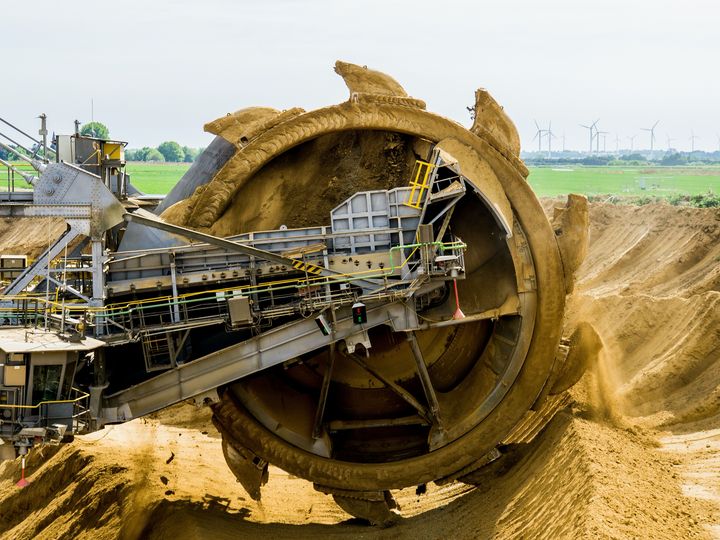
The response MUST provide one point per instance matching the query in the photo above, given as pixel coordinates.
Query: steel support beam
(324, 392)
(228, 245)
(395, 387)
(28, 209)
(38, 268)
(98, 276)
(250, 356)
(66, 287)
(424, 377)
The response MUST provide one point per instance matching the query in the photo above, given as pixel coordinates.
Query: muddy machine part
(430, 403)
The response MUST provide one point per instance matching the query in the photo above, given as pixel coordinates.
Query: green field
(155, 178)
(159, 178)
(546, 181)
(625, 181)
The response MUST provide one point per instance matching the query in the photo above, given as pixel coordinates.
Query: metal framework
(387, 249)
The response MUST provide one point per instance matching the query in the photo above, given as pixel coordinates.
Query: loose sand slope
(28, 236)
(636, 455)
(651, 287)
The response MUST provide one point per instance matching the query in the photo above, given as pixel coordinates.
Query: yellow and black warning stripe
(307, 267)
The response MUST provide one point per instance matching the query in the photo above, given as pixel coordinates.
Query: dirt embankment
(635, 455)
(651, 287)
(28, 236)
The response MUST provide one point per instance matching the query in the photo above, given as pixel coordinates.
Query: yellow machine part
(113, 151)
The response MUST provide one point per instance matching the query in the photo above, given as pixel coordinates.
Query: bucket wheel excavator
(370, 293)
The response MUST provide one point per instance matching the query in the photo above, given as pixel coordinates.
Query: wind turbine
(597, 142)
(632, 142)
(692, 140)
(652, 136)
(617, 144)
(669, 140)
(591, 127)
(538, 135)
(550, 137)
(718, 138)
(563, 140)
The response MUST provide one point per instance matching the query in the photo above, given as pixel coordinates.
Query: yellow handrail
(418, 186)
(83, 396)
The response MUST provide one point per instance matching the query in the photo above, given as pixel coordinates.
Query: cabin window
(46, 383)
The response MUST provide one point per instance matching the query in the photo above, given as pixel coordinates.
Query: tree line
(665, 158)
(169, 151)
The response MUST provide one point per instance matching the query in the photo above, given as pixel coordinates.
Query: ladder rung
(419, 185)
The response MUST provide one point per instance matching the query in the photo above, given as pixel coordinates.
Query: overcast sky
(160, 69)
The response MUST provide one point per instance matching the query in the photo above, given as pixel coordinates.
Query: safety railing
(162, 312)
(13, 178)
(38, 414)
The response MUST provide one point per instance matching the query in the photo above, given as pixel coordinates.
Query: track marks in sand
(659, 250)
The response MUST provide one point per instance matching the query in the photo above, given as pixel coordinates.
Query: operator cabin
(37, 395)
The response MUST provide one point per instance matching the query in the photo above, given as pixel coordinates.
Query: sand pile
(656, 250)
(28, 236)
(582, 479)
(73, 494)
(651, 287)
(635, 456)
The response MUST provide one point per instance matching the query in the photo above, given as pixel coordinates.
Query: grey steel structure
(278, 285)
